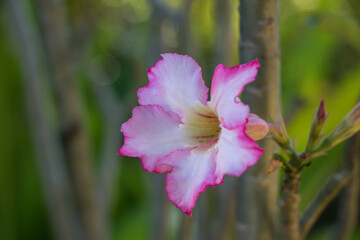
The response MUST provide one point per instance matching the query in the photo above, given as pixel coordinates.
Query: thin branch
(112, 111)
(287, 164)
(226, 214)
(51, 162)
(109, 165)
(160, 206)
(74, 135)
(185, 230)
(322, 200)
(348, 211)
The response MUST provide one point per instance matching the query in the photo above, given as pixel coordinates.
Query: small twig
(159, 230)
(322, 200)
(284, 161)
(185, 230)
(112, 111)
(226, 196)
(349, 205)
(109, 166)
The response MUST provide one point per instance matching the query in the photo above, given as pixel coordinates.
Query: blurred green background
(115, 41)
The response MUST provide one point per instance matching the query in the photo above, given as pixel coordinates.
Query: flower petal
(256, 128)
(193, 171)
(175, 83)
(227, 84)
(151, 134)
(231, 113)
(236, 153)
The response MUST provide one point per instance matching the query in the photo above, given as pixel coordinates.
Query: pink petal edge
(245, 144)
(209, 180)
(232, 71)
(167, 80)
(227, 85)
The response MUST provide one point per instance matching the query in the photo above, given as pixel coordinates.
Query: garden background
(113, 42)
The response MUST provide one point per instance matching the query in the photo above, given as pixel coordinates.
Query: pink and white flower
(177, 130)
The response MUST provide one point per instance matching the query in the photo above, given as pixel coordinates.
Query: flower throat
(202, 126)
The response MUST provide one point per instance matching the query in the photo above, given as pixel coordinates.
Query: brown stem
(51, 162)
(290, 205)
(185, 230)
(256, 192)
(53, 18)
(222, 227)
(322, 200)
(348, 211)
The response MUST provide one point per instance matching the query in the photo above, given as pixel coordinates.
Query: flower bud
(317, 126)
(256, 128)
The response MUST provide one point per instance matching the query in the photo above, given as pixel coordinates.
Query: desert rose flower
(177, 130)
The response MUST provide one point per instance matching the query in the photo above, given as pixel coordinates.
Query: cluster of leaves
(317, 145)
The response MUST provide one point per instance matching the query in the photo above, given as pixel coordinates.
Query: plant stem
(256, 192)
(290, 205)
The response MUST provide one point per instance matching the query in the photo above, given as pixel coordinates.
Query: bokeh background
(112, 43)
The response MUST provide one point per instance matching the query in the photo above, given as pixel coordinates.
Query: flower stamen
(201, 125)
